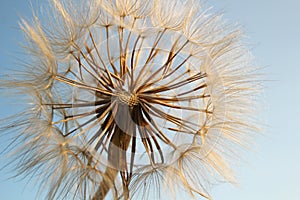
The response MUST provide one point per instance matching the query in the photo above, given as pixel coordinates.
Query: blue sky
(271, 170)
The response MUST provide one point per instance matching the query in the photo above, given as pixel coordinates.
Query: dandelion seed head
(128, 96)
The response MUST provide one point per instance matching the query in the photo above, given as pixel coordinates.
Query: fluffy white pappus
(131, 99)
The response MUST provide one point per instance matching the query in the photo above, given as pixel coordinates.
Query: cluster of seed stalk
(130, 96)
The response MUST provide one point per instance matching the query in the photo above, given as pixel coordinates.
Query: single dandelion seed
(131, 99)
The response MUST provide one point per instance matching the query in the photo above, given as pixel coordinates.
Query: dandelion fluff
(127, 98)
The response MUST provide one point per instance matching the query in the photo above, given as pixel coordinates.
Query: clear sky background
(271, 170)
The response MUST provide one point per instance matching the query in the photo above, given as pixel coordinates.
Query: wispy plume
(131, 99)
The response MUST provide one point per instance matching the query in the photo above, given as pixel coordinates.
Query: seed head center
(130, 99)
